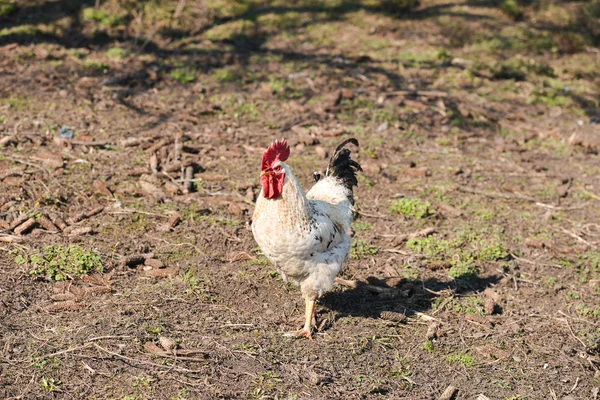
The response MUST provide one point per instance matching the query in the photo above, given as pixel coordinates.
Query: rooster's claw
(302, 332)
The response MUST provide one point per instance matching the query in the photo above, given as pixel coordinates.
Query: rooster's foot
(299, 333)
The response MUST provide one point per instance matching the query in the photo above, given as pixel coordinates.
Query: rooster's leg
(308, 317)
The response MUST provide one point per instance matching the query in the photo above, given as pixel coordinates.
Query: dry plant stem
(133, 360)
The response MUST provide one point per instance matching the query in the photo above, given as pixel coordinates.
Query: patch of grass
(225, 75)
(591, 259)
(276, 84)
(115, 53)
(461, 252)
(24, 30)
(99, 15)
(585, 311)
(363, 179)
(573, 295)
(493, 252)
(428, 346)
(465, 359)
(95, 66)
(468, 305)
(18, 102)
(191, 280)
(260, 260)
(6, 8)
(550, 281)
(153, 329)
(513, 9)
(60, 263)
(462, 270)
(50, 384)
(518, 68)
(183, 75)
(265, 385)
(430, 247)
(361, 249)
(362, 226)
(411, 208)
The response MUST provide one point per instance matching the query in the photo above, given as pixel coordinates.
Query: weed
(60, 263)
(465, 359)
(225, 75)
(95, 66)
(361, 249)
(431, 247)
(6, 8)
(411, 207)
(264, 385)
(512, 8)
(115, 53)
(550, 281)
(592, 260)
(362, 226)
(493, 252)
(153, 330)
(573, 295)
(17, 102)
(50, 384)
(276, 84)
(108, 20)
(260, 260)
(365, 180)
(462, 270)
(428, 346)
(468, 305)
(191, 280)
(549, 94)
(183, 75)
(586, 312)
(182, 394)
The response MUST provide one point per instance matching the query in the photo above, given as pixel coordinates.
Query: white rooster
(305, 236)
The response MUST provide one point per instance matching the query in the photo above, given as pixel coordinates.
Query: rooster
(305, 235)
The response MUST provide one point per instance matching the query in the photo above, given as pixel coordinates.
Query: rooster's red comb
(278, 150)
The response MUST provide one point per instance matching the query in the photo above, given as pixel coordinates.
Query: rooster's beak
(263, 173)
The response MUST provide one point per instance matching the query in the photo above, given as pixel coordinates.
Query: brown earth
(476, 259)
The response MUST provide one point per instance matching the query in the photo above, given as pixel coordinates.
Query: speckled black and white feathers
(342, 167)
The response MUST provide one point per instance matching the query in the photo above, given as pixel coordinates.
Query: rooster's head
(272, 175)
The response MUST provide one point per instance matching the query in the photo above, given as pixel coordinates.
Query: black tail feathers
(343, 167)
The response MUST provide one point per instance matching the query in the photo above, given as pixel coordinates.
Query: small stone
(321, 152)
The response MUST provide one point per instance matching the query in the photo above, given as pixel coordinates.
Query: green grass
(183, 75)
(493, 252)
(428, 346)
(411, 208)
(513, 9)
(465, 359)
(462, 270)
(225, 75)
(101, 16)
(260, 260)
(60, 263)
(6, 8)
(362, 226)
(361, 249)
(463, 252)
(591, 259)
(115, 53)
(96, 66)
(50, 384)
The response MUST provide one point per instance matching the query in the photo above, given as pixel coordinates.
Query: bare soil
(477, 239)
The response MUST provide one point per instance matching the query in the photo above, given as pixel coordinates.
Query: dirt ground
(130, 145)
